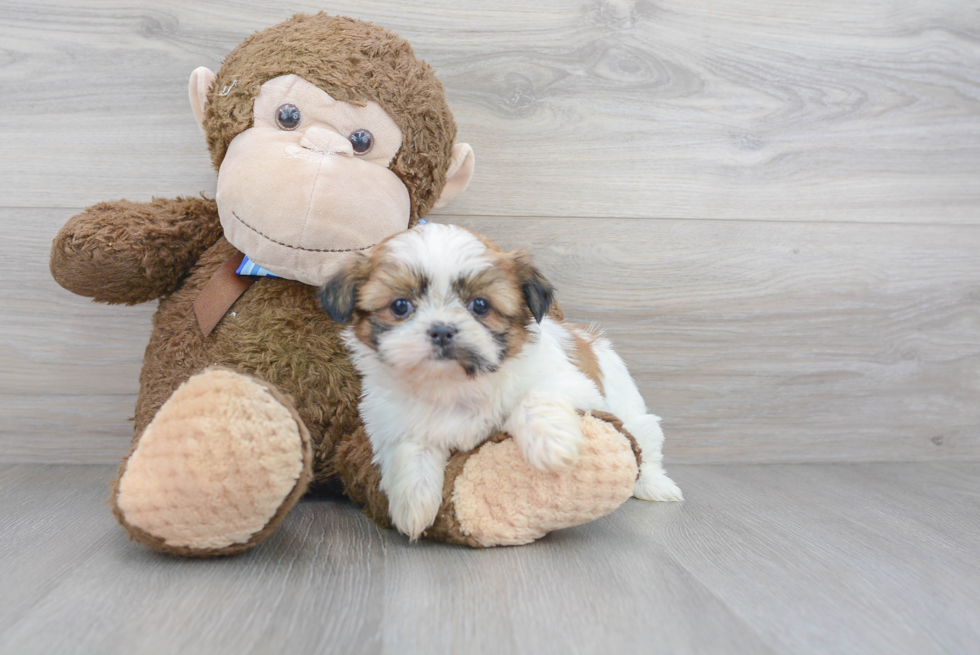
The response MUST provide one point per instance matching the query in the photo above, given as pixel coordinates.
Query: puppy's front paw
(553, 447)
(549, 433)
(415, 510)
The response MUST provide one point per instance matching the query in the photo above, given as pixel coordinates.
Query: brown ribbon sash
(220, 293)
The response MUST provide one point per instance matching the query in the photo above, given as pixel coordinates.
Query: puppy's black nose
(442, 334)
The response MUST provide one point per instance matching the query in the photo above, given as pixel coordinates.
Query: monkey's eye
(362, 140)
(401, 308)
(288, 117)
(479, 307)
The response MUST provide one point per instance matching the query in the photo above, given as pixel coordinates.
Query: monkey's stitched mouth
(287, 245)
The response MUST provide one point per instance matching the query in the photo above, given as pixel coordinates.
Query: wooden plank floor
(816, 558)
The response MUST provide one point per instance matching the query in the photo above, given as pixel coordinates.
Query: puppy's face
(439, 300)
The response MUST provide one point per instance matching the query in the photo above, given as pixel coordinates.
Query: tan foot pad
(500, 500)
(222, 461)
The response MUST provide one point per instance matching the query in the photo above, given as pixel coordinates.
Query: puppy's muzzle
(445, 347)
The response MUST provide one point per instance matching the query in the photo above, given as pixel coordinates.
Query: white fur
(417, 409)
(624, 400)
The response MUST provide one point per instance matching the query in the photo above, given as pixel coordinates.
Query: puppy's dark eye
(288, 117)
(401, 308)
(362, 141)
(479, 307)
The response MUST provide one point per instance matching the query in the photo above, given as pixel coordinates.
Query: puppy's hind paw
(655, 485)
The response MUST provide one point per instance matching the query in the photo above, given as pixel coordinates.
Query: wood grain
(319, 576)
(53, 521)
(793, 537)
(594, 589)
(758, 559)
(756, 341)
(835, 111)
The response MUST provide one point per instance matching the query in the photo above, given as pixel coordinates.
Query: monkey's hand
(131, 252)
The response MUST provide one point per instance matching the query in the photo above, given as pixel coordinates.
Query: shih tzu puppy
(452, 339)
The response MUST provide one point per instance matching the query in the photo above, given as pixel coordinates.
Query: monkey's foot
(217, 469)
(494, 497)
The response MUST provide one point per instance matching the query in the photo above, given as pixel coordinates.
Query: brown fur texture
(131, 252)
(277, 334)
(360, 478)
(354, 61)
(583, 355)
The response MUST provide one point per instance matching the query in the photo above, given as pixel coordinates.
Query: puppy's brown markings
(514, 271)
(500, 286)
(510, 334)
(389, 281)
(582, 354)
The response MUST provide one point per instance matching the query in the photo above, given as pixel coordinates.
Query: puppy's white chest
(458, 426)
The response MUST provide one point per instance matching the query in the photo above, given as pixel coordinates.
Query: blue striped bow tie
(248, 267)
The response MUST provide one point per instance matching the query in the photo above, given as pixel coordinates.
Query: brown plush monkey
(328, 135)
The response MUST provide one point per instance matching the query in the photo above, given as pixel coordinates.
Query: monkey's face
(308, 184)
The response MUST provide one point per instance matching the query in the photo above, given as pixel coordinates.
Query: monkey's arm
(132, 252)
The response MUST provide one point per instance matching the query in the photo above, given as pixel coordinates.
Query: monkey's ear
(460, 173)
(197, 90)
(538, 292)
(339, 295)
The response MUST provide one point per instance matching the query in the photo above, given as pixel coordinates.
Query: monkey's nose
(320, 139)
(442, 334)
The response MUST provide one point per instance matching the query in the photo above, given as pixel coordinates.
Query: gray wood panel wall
(774, 208)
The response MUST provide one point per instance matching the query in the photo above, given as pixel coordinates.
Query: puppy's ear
(339, 295)
(538, 292)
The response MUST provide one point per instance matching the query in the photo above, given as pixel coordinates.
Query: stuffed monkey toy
(328, 135)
